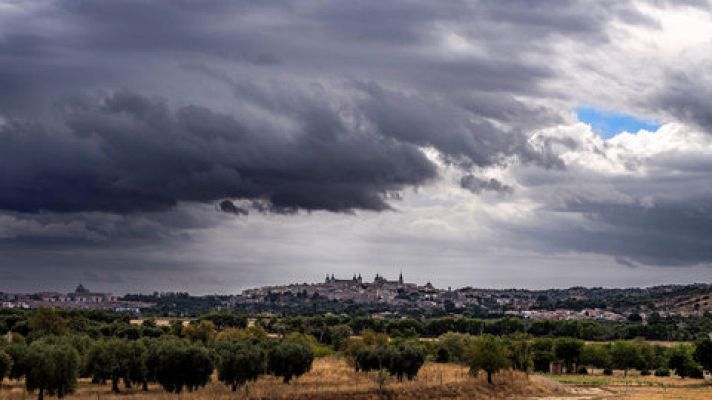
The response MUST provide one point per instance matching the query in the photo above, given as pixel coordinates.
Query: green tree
(488, 353)
(543, 354)
(224, 319)
(51, 369)
(338, 334)
(405, 361)
(111, 359)
(703, 353)
(452, 347)
(18, 353)
(626, 355)
(568, 350)
(46, 321)
(289, 360)
(521, 352)
(203, 332)
(681, 360)
(177, 365)
(239, 362)
(596, 356)
(5, 365)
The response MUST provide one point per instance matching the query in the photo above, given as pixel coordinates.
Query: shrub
(582, 371)
(608, 372)
(662, 372)
(645, 372)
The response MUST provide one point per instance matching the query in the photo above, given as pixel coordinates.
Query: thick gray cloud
(125, 152)
(119, 118)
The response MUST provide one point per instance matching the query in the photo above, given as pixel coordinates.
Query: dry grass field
(332, 378)
(635, 387)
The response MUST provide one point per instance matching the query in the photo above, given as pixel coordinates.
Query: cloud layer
(136, 125)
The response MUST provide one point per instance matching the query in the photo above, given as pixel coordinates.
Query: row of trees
(657, 328)
(525, 353)
(332, 330)
(52, 365)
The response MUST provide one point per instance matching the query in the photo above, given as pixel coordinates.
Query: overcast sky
(213, 146)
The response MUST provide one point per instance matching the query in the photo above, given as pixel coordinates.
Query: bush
(582, 371)
(443, 356)
(608, 372)
(645, 372)
(662, 372)
(695, 372)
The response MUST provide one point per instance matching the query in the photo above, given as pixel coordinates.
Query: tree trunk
(115, 384)
(489, 377)
(234, 387)
(40, 396)
(145, 386)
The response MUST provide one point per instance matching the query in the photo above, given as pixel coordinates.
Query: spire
(400, 277)
(327, 278)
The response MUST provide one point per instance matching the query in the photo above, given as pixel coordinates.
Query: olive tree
(289, 360)
(51, 369)
(177, 365)
(703, 353)
(625, 356)
(239, 362)
(521, 352)
(488, 353)
(568, 350)
(5, 365)
(405, 361)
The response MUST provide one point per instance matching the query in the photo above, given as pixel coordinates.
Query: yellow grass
(332, 378)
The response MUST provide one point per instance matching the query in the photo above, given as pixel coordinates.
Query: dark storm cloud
(125, 152)
(686, 97)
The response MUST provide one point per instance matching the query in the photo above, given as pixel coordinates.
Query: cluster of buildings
(380, 290)
(569, 315)
(398, 293)
(81, 298)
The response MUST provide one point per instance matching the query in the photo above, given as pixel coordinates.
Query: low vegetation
(61, 350)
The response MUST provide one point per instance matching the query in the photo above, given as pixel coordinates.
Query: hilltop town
(577, 303)
(382, 297)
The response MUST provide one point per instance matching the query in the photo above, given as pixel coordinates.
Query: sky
(220, 145)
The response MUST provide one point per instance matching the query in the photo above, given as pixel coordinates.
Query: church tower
(400, 277)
